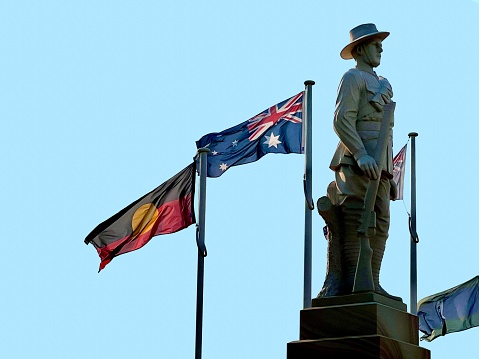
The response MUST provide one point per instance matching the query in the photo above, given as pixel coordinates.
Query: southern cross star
(223, 167)
(272, 140)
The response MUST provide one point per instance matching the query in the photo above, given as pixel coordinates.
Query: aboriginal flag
(167, 209)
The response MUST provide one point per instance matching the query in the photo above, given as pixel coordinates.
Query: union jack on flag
(279, 129)
(287, 110)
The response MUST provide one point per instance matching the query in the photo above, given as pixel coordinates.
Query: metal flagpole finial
(309, 82)
(203, 150)
(413, 134)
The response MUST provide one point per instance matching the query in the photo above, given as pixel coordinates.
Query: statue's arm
(345, 116)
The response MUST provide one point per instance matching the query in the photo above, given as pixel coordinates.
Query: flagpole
(412, 229)
(200, 241)
(309, 204)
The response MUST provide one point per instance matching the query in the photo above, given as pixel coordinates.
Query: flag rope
(201, 246)
(307, 195)
(414, 235)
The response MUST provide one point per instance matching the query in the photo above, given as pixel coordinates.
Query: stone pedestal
(360, 326)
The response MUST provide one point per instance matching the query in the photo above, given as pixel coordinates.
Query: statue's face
(371, 52)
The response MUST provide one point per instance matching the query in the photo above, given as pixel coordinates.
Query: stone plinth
(366, 325)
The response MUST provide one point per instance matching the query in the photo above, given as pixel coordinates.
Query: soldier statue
(360, 110)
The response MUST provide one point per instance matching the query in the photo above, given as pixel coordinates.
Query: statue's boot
(378, 245)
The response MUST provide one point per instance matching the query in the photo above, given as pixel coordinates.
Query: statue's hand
(369, 166)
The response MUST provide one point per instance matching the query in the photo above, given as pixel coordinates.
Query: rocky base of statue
(360, 326)
(334, 284)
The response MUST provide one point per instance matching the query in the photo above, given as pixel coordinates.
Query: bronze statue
(360, 112)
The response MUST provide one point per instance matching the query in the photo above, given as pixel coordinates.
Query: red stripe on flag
(173, 217)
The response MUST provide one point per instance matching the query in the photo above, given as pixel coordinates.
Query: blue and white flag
(278, 129)
(453, 310)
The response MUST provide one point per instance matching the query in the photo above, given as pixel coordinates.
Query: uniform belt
(369, 125)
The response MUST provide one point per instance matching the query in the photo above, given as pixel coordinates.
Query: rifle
(363, 279)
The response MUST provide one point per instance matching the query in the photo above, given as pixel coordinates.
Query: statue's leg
(351, 185)
(378, 241)
(378, 245)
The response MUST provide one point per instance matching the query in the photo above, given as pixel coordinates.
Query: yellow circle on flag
(144, 219)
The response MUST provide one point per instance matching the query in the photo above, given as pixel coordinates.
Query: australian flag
(279, 129)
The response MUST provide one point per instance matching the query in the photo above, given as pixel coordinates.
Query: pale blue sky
(103, 100)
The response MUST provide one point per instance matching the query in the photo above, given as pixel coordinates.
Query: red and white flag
(399, 163)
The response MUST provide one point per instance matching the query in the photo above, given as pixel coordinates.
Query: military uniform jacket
(356, 122)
